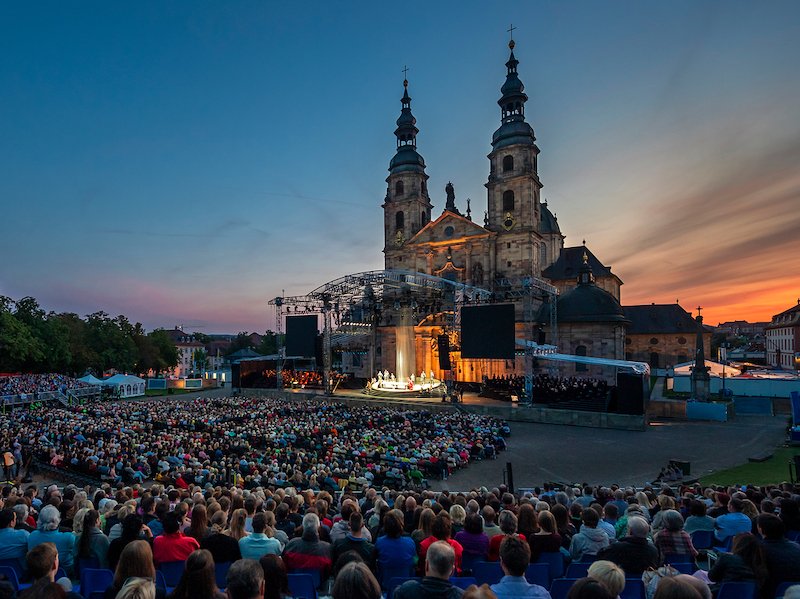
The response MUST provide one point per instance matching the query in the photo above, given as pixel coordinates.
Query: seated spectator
(132, 529)
(676, 588)
(13, 542)
(440, 531)
(354, 541)
(137, 588)
(634, 553)
(457, 514)
(590, 540)
(356, 581)
(783, 556)
(394, 551)
(527, 520)
(474, 542)
(732, 523)
(223, 547)
(508, 524)
(92, 543)
(489, 526)
(42, 562)
(258, 543)
(173, 545)
(747, 562)
(135, 561)
(308, 552)
(198, 529)
(698, 585)
(673, 539)
(609, 520)
(275, 572)
(439, 566)
(245, 580)
(515, 555)
(566, 530)
(423, 530)
(588, 588)
(610, 575)
(698, 518)
(198, 580)
(47, 532)
(546, 540)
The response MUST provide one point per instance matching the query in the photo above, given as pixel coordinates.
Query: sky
(185, 162)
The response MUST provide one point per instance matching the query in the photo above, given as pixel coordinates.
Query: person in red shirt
(441, 530)
(508, 524)
(173, 545)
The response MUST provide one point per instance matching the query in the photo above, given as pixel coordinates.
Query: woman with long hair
(198, 580)
(132, 529)
(527, 523)
(745, 563)
(198, 529)
(92, 543)
(236, 529)
(423, 530)
(275, 573)
(564, 527)
(546, 539)
(135, 561)
(355, 581)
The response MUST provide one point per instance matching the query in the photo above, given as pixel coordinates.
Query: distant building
(187, 345)
(783, 339)
(740, 328)
(662, 335)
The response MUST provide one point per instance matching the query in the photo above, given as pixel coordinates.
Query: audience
(199, 579)
(440, 562)
(515, 555)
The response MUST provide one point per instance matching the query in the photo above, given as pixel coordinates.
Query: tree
(18, 346)
(199, 360)
(241, 341)
(167, 352)
(269, 344)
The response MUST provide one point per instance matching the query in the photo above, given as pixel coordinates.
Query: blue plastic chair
(172, 572)
(724, 547)
(302, 586)
(87, 562)
(385, 575)
(17, 566)
(487, 572)
(678, 558)
(577, 569)
(161, 582)
(462, 582)
(560, 587)
(685, 567)
(95, 579)
(538, 574)
(555, 561)
(315, 575)
(10, 573)
(737, 590)
(468, 561)
(221, 573)
(793, 535)
(396, 582)
(634, 589)
(702, 539)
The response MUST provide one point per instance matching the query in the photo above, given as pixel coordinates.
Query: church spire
(512, 102)
(406, 158)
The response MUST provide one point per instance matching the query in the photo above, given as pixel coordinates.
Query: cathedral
(519, 237)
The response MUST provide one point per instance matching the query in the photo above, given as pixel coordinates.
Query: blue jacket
(258, 544)
(13, 544)
(64, 542)
(516, 587)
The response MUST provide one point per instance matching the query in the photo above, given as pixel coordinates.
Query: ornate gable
(449, 228)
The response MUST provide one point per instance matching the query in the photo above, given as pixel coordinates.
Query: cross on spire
(405, 72)
(511, 31)
(698, 310)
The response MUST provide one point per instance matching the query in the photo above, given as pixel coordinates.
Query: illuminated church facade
(519, 237)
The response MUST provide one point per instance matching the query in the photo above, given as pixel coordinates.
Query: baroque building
(519, 237)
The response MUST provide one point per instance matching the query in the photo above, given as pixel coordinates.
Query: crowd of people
(548, 389)
(254, 441)
(18, 384)
(355, 544)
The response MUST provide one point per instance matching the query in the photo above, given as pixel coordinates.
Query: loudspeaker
(630, 394)
(510, 477)
(443, 342)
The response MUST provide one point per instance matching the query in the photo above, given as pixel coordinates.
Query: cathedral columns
(468, 263)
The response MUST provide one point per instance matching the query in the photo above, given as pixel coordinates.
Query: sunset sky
(185, 162)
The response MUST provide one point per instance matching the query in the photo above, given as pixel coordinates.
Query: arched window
(508, 163)
(398, 188)
(508, 201)
(399, 221)
(422, 220)
(580, 351)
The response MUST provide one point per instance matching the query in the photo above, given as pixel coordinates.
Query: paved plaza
(545, 452)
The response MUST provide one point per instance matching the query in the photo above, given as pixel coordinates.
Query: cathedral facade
(519, 237)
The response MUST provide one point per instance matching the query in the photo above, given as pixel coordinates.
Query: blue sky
(185, 162)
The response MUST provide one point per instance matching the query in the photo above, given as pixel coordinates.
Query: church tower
(407, 206)
(513, 202)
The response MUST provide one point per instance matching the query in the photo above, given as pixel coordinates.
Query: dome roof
(512, 86)
(586, 303)
(548, 222)
(513, 132)
(406, 159)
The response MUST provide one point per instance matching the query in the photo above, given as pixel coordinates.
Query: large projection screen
(301, 336)
(487, 332)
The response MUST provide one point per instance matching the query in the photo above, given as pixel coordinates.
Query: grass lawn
(774, 470)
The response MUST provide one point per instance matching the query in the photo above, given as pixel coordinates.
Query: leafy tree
(199, 359)
(18, 346)
(167, 352)
(269, 344)
(241, 341)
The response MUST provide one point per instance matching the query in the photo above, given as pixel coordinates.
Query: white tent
(128, 385)
(91, 380)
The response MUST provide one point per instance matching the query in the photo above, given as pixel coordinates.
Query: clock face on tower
(399, 239)
(508, 221)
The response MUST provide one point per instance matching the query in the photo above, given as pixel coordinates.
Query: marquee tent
(128, 385)
(91, 380)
